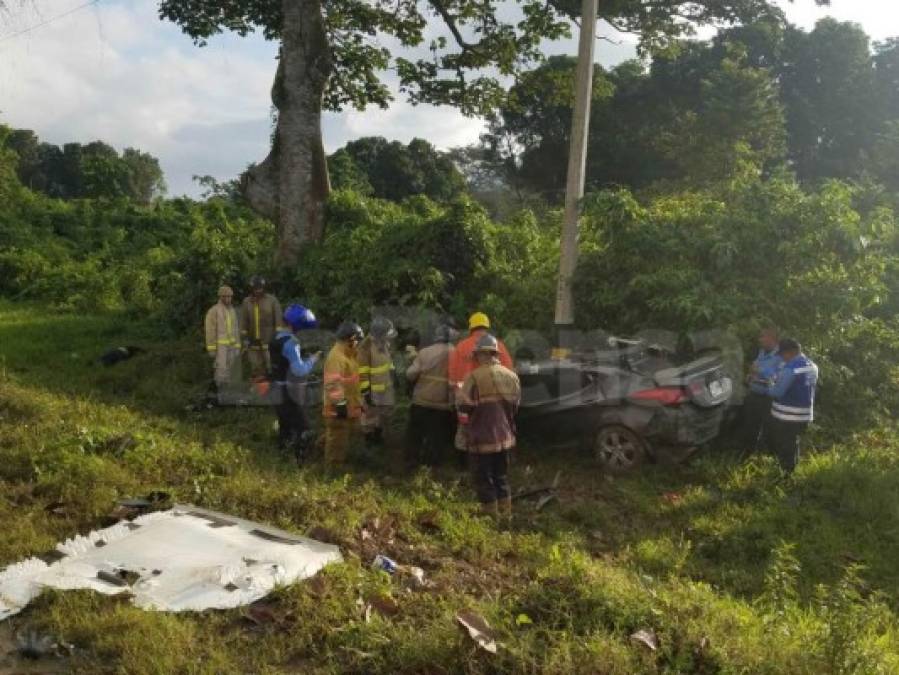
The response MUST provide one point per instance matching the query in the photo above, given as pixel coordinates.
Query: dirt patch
(11, 663)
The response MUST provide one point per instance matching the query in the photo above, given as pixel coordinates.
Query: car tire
(618, 449)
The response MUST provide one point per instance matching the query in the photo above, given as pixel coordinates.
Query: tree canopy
(83, 171)
(335, 53)
(390, 170)
(761, 97)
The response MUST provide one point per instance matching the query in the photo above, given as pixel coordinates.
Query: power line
(3, 38)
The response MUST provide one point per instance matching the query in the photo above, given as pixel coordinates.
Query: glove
(342, 410)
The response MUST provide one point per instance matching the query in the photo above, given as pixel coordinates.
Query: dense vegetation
(734, 183)
(730, 569)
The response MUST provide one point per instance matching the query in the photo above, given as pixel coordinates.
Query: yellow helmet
(478, 320)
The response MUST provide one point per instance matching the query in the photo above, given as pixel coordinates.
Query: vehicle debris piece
(646, 638)
(183, 559)
(383, 563)
(478, 629)
(545, 495)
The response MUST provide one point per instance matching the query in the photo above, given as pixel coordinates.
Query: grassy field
(730, 568)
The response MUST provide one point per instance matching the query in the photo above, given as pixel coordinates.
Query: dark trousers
(754, 424)
(292, 422)
(490, 474)
(429, 435)
(785, 439)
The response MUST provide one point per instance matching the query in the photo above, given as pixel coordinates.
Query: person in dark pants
(429, 435)
(490, 396)
(794, 401)
(755, 419)
(288, 366)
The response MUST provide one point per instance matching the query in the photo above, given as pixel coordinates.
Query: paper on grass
(178, 560)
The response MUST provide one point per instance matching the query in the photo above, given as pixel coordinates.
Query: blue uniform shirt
(291, 351)
(794, 391)
(768, 366)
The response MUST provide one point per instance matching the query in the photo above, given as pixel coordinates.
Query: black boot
(303, 445)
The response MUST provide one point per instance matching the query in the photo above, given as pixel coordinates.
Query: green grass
(733, 570)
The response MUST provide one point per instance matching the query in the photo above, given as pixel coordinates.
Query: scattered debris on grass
(647, 638)
(478, 629)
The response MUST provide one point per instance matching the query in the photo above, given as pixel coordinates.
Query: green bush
(821, 264)
(449, 258)
(760, 251)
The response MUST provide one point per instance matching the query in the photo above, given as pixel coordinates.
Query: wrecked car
(627, 403)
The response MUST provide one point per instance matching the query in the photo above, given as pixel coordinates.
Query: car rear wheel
(618, 449)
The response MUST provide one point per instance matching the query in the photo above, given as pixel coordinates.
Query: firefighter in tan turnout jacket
(223, 339)
(431, 416)
(490, 395)
(260, 319)
(376, 380)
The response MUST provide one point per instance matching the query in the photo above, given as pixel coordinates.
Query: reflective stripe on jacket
(462, 359)
(430, 374)
(221, 328)
(376, 371)
(794, 391)
(259, 321)
(341, 382)
(490, 395)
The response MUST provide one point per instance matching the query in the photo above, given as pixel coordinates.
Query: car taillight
(661, 395)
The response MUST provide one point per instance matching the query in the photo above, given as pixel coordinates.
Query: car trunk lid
(703, 380)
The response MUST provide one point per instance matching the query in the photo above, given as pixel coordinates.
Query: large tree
(333, 54)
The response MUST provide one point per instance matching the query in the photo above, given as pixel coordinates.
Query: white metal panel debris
(178, 560)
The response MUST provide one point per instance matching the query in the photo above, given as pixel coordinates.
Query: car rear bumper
(685, 425)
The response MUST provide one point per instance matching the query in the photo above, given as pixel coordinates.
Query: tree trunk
(291, 185)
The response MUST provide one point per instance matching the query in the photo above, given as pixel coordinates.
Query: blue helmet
(299, 318)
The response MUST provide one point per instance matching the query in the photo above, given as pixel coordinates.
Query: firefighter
(223, 340)
(376, 380)
(431, 417)
(289, 368)
(461, 363)
(794, 400)
(490, 395)
(342, 405)
(260, 319)
(757, 406)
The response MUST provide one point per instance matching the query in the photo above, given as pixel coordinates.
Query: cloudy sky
(113, 71)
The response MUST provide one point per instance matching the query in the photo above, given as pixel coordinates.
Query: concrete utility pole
(577, 158)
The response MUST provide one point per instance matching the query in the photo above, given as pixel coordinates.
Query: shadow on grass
(718, 520)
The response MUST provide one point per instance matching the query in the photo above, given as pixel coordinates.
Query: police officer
(288, 365)
(794, 401)
(757, 405)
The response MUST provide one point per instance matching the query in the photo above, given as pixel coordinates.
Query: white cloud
(118, 74)
(880, 18)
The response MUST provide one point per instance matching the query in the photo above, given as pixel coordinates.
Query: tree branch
(450, 22)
